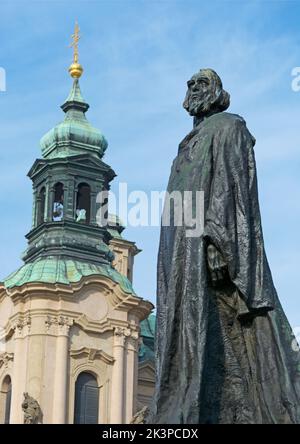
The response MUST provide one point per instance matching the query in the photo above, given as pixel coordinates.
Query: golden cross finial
(74, 44)
(75, 69)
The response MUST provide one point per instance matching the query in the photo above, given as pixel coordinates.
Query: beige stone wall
(54, 333)
(124, 251)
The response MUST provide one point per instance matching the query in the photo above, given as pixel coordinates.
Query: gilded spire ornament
(75, 69)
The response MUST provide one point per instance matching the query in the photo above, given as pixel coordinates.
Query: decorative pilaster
(35, 205)
(93, 208)
(123, 382)
(62, 326)
(22, 328)
(131, 373)
(69, 200)
(117, 384)
(50, 203)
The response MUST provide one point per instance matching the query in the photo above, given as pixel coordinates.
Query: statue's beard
(195, 105)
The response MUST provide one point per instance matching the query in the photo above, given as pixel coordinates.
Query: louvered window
(86, 399)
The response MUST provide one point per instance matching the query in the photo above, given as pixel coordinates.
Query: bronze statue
(224, 349)
(32, 410)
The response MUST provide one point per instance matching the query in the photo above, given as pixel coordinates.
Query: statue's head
(205, 94)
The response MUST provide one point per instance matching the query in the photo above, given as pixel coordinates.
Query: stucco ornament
(32, 411)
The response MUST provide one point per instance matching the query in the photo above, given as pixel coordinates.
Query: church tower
(70, 316)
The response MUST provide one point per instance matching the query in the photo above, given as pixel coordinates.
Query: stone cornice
(124, 243)
(62, 320)
(116, 296)
(147, 364)
(92, 326)
(92, 354)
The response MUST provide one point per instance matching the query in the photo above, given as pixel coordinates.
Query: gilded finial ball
(75, 70)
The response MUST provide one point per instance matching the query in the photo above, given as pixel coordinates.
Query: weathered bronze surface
(225, 352)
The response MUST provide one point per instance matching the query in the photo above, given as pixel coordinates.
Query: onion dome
(75, 135)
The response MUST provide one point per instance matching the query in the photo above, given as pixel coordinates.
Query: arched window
(86, 399)
(58, 205)
(5, 400)
(41, 206)
(83, 203)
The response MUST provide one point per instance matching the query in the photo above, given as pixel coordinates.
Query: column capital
(119, 336)
(22, 326)
(133, 341)
(59, 325)
(122, 334)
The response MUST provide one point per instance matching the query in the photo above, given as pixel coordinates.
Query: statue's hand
(216, 265)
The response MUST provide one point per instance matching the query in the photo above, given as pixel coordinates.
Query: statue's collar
(198, 123)
(200, 120)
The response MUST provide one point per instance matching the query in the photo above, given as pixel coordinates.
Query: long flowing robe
(223, 355)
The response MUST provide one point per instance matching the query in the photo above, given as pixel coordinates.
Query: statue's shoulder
(230, 123)
(227, 120)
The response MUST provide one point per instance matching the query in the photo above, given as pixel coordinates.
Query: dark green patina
(58, 270)
(75, 135)
(146, 350)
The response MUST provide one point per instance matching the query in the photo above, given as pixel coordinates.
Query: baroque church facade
(76, 338)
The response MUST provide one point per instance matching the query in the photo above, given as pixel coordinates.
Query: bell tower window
(83, 203)
(58, 205)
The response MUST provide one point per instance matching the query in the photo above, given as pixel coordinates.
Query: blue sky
(137, 57)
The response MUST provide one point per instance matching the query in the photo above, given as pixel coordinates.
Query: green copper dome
(146, 349)
(59, 270)
(75, 135)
